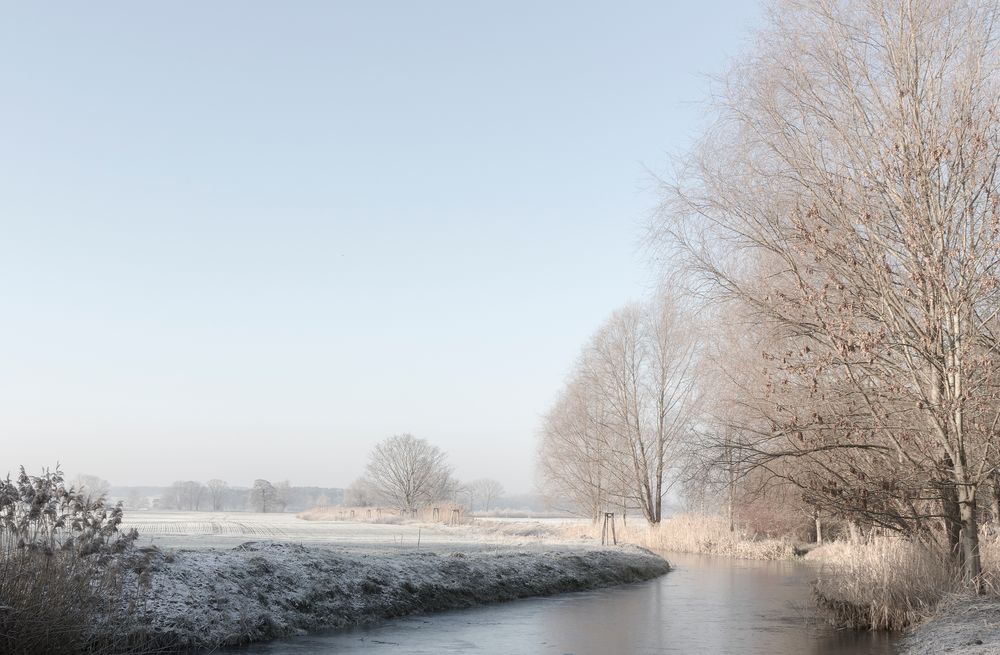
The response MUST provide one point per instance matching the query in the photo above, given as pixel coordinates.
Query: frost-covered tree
(91, 487)
(485, 492)
(408, 471)
(217, 493)
(361, 493)
(263, 496)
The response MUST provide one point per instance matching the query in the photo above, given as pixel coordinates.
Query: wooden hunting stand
(436, 514)
(609, 517)
(456, 516)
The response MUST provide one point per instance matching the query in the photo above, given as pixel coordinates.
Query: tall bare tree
(486, 491)
(409, 472)
(614, 436)
(848, 195)
(217, 493)
(263, 496)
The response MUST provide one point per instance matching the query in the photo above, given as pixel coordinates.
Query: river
(707, 606)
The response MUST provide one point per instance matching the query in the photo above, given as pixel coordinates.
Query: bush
(60, 568)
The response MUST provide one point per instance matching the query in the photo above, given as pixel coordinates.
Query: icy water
(705, 606)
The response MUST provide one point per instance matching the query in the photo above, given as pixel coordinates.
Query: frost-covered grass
(228, 530)
(691, 533)
(961, 625)
(206, 586)
(206, 598)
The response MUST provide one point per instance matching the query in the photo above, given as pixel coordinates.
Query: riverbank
(202, 599)
(960, 625)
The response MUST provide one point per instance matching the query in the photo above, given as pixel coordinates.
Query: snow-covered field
(225, 579)
(230, 529)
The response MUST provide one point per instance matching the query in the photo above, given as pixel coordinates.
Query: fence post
(609, 517)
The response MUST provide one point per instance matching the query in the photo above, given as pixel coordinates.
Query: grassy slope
(207, 598)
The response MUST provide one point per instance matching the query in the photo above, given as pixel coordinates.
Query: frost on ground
(960, 625)
(205, 598)
(209, 586)
(230, 529)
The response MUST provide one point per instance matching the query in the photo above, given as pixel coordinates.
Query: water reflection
(707, 605)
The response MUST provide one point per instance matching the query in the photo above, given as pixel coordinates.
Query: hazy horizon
(246, 240)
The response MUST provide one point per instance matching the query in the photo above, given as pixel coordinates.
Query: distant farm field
(230, 529)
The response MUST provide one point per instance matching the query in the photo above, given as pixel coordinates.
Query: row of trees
(264, 496)
(408, 473)
(841, 219)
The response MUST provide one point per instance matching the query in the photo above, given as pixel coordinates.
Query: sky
(247, 240)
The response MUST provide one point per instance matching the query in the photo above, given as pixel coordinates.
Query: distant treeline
(218, 496)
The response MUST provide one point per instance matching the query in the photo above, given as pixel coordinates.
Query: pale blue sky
(250, 239)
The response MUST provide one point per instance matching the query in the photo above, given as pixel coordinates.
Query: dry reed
(60, 583)
(883, 583)
(692, 533)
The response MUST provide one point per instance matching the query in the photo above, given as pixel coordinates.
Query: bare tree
(217, 493)
(282, 495)
(192, 493)
(487, 491)
(574, 462)
(408, 471)
(848, 195)
(361, 493)
(91, 487)
(615, 435)
(263, 496)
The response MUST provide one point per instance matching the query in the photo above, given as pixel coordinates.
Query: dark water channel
(705, 606)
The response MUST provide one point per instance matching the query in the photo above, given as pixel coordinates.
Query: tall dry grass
(61, 586)
(691, 533)
(884, 583)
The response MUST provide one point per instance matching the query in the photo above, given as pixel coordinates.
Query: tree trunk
(819, 529)
(970, 536)
(995, 497)
(952, 519)
(853, 528)
(732, 523)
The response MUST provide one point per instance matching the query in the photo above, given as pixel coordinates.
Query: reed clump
(882, 583)
(61, 581)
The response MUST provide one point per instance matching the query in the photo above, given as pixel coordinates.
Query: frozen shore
(201, 599)
(961, 626)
